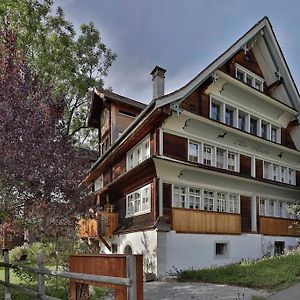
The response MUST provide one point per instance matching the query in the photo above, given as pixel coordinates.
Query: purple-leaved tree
(39, 167)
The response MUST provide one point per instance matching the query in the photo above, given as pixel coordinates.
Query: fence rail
(129, 282)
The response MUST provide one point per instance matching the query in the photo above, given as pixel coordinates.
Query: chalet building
(201, 176)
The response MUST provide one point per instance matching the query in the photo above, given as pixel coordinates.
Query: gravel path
(158, 290)
(187, 290)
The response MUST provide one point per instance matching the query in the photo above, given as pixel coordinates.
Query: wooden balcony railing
(104, 225)
(277, 226)
(199, 221)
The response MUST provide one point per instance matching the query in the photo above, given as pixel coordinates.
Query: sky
(182, 36)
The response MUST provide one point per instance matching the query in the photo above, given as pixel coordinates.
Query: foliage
(39, 167)
(273, 273)
(70, 63)
(16, 253)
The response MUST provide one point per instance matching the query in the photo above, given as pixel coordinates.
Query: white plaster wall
(198, 250)
(143, 242)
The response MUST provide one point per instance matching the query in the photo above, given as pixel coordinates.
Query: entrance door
(246, 213)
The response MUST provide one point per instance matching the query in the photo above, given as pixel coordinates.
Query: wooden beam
(275, 84)
(102, 239)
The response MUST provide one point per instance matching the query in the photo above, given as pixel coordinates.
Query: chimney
(158, 78)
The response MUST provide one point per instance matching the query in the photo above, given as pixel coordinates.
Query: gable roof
(263, 27)
(101, 95)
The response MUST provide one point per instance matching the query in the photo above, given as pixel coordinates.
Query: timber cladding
(119, 168)
(248, 61)
(245, 165)
(167, 202)
(175, 146)
(259, 169)
(245, 213)
(277, 226)
(197, 221)
(198, 101)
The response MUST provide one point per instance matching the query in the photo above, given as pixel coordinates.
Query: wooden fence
(129, 282)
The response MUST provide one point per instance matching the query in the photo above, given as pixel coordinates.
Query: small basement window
(221, 249)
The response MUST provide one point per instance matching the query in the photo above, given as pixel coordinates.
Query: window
(248, 77)
(240, 75)
(253, 126)
(283, 175)
(262, 207)
(281, 209)
(215, 111)
(221, 202)
(233, 203)
(221, 154)
(291, 177)
(232, 161)
(213, 156)
(194, 151)
(264, 130)
(98, 184)
(242, 121)
(208, 155)
(221, 249)
(229, 116)
(208, 203)
(274, 134)
(258, 84)
(276, 172)
(279, 173)
(179, 196)
(203, 199)
(271, 208)
(279, 248)
(194, 198)
(139, 153)
(139, 201)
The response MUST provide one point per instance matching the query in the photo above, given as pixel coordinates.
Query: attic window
(126, 113)
(248, 77)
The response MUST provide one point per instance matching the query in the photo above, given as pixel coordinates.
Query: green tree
(70, 63)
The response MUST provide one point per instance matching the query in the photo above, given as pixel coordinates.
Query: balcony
(104, 225)
(278, 227)
(197, 221)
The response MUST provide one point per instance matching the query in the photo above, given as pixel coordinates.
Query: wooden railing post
(41, 277)
(131, 274)
(7, 275)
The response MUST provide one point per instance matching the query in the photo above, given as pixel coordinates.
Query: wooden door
(246, 214)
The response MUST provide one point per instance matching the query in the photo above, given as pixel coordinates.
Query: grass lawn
(270, 274)
(60, 291)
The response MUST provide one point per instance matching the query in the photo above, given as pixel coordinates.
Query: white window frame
(251, 74)
(289, 173)
(138, 153)
(143, 208)
(220, 103)
(98, 183)
(237, 111)
(187, 201)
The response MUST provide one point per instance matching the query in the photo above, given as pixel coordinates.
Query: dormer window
(248, 77)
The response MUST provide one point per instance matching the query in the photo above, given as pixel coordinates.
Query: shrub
(16, 253)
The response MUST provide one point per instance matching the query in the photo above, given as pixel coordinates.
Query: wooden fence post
(7, 277)
(41, 277)
(131, 274)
